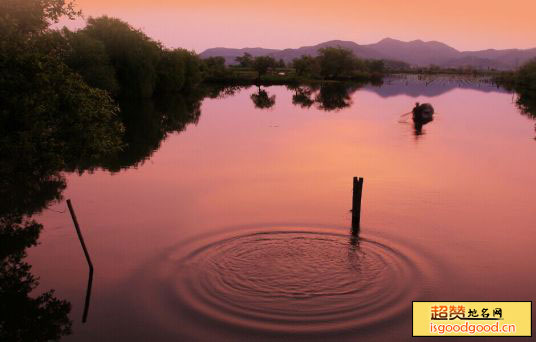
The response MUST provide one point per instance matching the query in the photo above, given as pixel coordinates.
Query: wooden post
(88, 295)
(90, 264)
(356, 202)
(80, 237)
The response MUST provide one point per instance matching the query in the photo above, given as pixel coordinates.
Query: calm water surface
(239, 226)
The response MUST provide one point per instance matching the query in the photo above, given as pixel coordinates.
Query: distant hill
(416, 53)
(512, 58)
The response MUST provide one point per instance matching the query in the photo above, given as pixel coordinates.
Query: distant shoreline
(275, 79)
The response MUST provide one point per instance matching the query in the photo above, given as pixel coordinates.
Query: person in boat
(423, 112)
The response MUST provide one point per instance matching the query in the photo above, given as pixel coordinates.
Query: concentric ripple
(292, 280)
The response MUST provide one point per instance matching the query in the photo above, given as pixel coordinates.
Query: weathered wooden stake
(86, 253)
(80, 237)
(356, 202)
(88, 295)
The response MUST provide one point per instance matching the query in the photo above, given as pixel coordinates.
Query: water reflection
(29, 182)
(25, 316)
(336, 96)
(147, 123)
(526, 102)
(327, 96)
(431, 85)
(262, 99)
(276, 281)
(302, 96)
(251, 281)
(354, 238)
(418, 125)
(32, 179)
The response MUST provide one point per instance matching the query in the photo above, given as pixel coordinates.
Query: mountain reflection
(431, 85)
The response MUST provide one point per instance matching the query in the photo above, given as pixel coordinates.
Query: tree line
(331, 63)
(523, 82)
(63, 90)
(73, 101)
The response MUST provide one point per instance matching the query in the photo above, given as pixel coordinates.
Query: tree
(261, 64)
(245, 61)
(526, 76)
(133, 55)
(171, 72)
(178, 70)
(33, 17)
(88, 57)
(214, 67)
(375, 66)
(47, 112)
(336, 62)
(192, 69)
(306, 66)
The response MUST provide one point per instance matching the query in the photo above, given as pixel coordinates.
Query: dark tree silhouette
(214, 68)
(336, 62)
(306, 66)
(523, 82)
(245, 61)
(335, 96)
(303, 97)
(262, 99)
(261, 65)
(25, 316)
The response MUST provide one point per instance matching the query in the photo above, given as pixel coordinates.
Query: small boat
(423, 113)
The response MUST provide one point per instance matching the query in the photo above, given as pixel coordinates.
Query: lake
(236, 224)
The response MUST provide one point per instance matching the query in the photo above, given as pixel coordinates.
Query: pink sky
(198, 25)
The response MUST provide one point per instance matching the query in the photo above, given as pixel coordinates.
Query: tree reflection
(24, 317)
(262, 99)
(216, 91)
(302, 96)
(332, 96)
(32, 169)
(335, 96)
(147, 123)
(27, 194)
(526, 102)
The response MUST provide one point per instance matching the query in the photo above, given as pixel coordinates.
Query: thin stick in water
(86, 253)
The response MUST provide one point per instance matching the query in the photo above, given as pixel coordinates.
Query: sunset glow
(239, 170)
(198, 25)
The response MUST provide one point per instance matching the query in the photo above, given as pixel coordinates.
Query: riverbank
(237, 76)
(284, 76)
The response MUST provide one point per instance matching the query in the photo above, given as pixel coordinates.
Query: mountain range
(414, 53)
